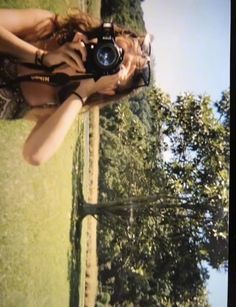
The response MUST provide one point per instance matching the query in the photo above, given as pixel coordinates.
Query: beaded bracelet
(39, 55)
(80, 97)
(55, 22)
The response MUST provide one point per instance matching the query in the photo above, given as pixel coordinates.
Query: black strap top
(12, 102)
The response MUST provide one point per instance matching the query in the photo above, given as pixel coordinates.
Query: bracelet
(39, 55)
(80, 97)
(55, 22)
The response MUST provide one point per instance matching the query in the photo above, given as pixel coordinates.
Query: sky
(191, 47)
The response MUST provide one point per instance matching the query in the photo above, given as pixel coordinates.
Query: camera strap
(54, 79)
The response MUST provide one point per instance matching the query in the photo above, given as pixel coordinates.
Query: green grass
(35, 221)
(94, 7)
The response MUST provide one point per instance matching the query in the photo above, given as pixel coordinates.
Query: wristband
(39, 55)
(78, 95)
(55, 22)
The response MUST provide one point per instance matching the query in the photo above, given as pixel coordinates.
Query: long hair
(78, 21)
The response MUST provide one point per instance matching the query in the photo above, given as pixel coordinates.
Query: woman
(34, 36)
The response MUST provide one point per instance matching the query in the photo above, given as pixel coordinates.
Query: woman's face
(133, 60)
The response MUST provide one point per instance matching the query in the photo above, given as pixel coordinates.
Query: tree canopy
(152, 254)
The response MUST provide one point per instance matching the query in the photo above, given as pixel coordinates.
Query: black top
(12, 102)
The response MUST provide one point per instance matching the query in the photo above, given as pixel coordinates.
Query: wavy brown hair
(78, 21)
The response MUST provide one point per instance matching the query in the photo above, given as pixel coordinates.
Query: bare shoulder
(18, 20)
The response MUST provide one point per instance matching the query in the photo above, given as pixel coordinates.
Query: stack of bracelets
(39, 55)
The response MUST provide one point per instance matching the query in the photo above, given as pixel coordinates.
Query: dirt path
(91, 272)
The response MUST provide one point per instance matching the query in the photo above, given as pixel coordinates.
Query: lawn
(42, 244)
(35, 221)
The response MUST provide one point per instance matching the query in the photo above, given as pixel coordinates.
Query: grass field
(35, 222)
(43, 246)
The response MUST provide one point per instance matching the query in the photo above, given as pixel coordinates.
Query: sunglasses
(143, 76)
(146, 45)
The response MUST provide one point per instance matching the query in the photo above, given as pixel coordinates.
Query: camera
(104, 57)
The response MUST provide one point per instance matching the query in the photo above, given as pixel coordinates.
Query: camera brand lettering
(40, 78)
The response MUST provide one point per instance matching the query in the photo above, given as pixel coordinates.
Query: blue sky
(191, 44)
(192, 54)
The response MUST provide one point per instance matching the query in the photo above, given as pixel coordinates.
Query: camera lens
(106, 56)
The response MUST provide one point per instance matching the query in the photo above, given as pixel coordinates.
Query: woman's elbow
(33, 158)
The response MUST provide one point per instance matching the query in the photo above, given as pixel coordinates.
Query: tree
(200, 167)
(165, 245)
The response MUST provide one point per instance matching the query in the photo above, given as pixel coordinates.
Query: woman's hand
(73, 54)
(105, 85)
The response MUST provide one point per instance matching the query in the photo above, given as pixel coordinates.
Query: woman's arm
(22, 21)
(18, 25)
(14, 26)
(50, 131)
(13, 45)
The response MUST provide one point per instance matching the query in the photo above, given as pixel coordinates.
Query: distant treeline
(124, 12)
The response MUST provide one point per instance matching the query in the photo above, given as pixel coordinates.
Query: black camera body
(104, 57)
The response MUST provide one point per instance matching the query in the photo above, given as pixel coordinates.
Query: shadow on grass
(74, 260)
